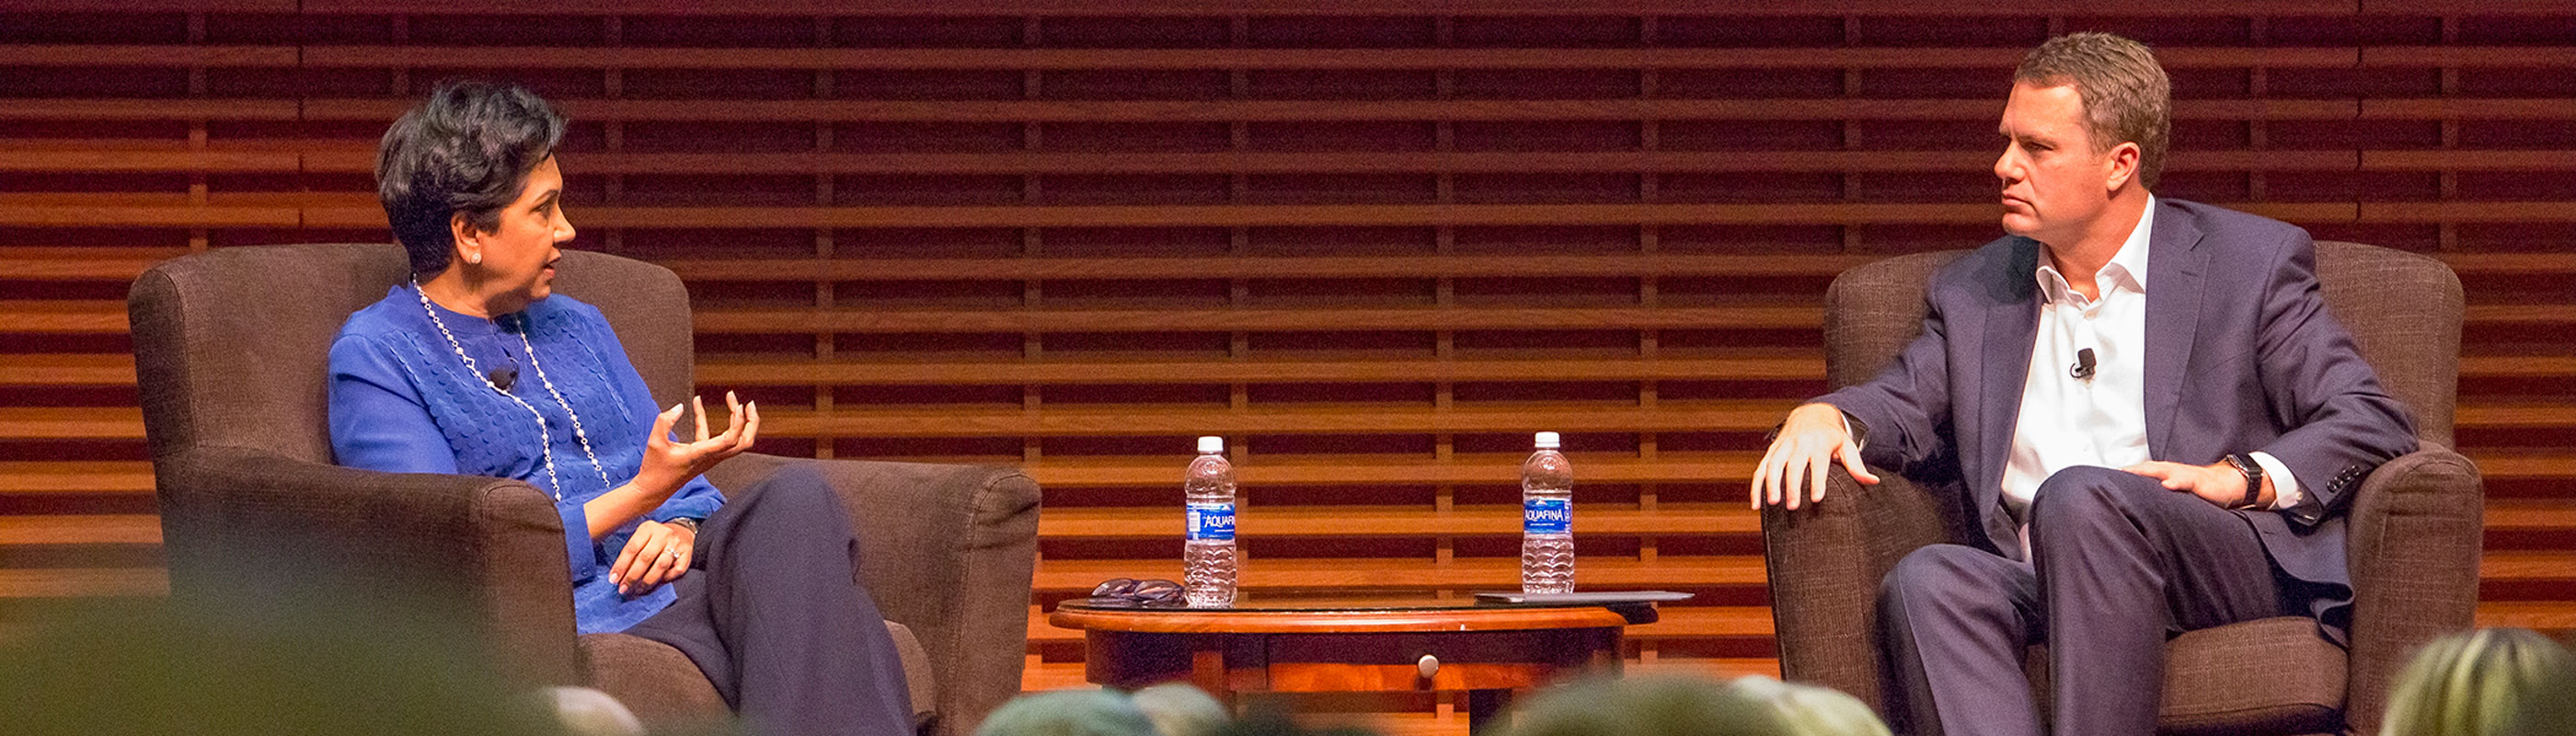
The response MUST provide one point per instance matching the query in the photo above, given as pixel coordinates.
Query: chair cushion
(660, 684)
(2273, 675)
(916, 676)
(668, 693)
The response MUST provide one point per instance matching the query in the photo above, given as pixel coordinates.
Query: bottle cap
(1211, 445)
(1547, 441)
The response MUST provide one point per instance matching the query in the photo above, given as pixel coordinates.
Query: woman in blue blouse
(475, 368)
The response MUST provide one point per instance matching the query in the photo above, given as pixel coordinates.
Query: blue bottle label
(1211, 522)
(1546, 516)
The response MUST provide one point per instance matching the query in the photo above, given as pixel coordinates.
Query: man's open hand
(2219, 484)
(1809, 443)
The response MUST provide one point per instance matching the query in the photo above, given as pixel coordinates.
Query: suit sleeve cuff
(578, 547)
(2285, 487)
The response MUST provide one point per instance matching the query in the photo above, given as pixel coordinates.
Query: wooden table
(1288, 644)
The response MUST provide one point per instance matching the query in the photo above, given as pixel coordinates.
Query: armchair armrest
(248, 526)
(2417, 526)
(949, 551)
(1825, 561)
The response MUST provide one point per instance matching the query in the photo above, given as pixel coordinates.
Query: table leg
(1207, 671)
(1485, 709)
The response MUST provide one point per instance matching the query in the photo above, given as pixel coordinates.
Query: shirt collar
(2128, 265)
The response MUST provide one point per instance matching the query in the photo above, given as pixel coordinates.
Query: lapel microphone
(2083, 368)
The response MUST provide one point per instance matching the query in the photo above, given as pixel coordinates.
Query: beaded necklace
(544, 435)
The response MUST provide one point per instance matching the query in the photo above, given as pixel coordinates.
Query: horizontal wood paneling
(1374, 243)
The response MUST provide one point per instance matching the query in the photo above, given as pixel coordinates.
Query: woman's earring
(474, 258)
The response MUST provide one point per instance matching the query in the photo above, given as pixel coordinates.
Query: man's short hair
(469, 149)
(2126, 96)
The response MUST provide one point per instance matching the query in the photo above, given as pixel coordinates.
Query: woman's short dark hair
(469, 149)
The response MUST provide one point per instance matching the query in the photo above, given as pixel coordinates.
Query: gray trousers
(772, 613)
(2119, 564)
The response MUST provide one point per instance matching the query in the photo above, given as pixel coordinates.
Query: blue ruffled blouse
(402, 401)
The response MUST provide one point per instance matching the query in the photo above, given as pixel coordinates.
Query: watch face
(2253, 479)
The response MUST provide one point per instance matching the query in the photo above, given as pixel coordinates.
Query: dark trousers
(772, 613)
(2119, 564)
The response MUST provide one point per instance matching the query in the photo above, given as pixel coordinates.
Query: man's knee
(1937, 576)
(2086, 494)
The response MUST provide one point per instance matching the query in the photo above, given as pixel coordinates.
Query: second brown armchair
(2415, 522)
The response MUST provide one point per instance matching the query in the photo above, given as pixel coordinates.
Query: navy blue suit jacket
(2241, 356)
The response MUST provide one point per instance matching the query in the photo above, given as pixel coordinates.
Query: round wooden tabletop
(1348, 615)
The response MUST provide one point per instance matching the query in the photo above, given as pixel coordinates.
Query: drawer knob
(1428, 666)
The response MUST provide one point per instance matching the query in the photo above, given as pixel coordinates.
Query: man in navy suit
(2143, 402)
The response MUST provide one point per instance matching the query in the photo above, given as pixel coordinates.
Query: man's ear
(468, 239)
(2121, 169)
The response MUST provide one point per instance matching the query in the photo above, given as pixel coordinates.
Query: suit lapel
(2173, 314)
(2011, 326)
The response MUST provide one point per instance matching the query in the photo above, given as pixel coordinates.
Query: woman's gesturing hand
(669, 465)
(658, 553)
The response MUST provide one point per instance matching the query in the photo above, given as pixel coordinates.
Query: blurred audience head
(1656, 705)
(587, 712)
(1179, 709)
(2489, 682)
(1273, 722)
(1068, 713)
(1809, 710)
(154, 668)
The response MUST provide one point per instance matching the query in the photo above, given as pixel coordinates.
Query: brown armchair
(2415, 525)
(231, 349)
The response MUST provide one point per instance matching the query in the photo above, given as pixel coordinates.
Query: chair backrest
(2413, 342)
(231, 346)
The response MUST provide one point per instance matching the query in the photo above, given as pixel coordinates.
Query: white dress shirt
(2066, 421)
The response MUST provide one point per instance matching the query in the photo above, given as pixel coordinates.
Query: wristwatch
(2253, 480)
(683, 521)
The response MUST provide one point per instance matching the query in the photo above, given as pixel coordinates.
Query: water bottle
(1208, 559)
(1547, 520)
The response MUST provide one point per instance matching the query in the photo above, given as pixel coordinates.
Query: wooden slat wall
(1374, 243)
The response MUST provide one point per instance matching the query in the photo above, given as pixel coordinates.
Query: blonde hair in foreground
(1809, 710)
(1691, 705)
(2489, 682)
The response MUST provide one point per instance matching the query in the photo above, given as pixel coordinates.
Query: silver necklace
(544, 436)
